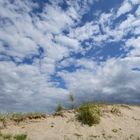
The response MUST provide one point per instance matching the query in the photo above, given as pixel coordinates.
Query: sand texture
(121, 125)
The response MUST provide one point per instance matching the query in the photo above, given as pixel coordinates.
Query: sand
(121, 125)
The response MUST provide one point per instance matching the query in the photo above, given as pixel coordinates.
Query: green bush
(20, 137)
(11, 137)
(59, 108)
(89, 114)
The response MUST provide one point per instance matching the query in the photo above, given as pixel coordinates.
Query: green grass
(5, 137)
(2, 117)
(35, 115)
(89, 114)
(10, 137)
(59, 108)
(20, 137)
(19, 117)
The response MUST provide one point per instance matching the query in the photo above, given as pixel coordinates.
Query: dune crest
(118, 122)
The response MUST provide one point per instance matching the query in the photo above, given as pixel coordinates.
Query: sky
(52, 48)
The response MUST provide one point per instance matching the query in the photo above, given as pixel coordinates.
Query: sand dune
(121, 125)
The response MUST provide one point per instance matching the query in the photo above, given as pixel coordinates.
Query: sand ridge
(124, 124)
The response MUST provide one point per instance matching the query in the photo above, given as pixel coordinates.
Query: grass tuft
(19, 117)
(20, 137)
(116, 111)
(89, 114)
(59, 108)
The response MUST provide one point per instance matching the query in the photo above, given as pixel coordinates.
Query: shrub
(59, 108)
(20, 137)
(89, 114)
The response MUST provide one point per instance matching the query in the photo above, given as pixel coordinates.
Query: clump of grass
(89, 114)
(5, 136)
(17, 117)
(10, 137)
(35, 115)
(59, 111)
(2, 117)
(20, 137)
(116, 111)
(59, 108)
(3, 120)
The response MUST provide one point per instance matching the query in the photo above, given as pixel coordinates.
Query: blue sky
(50, 49)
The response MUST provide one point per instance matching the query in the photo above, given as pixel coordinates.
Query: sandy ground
(124, 125)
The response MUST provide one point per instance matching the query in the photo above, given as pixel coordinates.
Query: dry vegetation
(19, 117)
(13, 137)
(106, 122)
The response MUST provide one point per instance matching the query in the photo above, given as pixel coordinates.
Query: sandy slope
(121, 126)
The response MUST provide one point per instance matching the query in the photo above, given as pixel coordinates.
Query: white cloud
(138, 11)
(23, 32)
(135, 43)
(55, 19)
(109, 80)
(25, 85)
(135, 2)
(67, 42)
(125, 7)
(85, 32)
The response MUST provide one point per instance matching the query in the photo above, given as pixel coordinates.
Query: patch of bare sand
(123, 123)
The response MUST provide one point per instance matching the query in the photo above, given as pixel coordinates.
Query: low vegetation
(89, 114)
(18, 117)
(11, 137)
(20, 137)
(116, 111)
(59, 108)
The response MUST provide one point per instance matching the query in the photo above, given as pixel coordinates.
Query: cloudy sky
(52, 48)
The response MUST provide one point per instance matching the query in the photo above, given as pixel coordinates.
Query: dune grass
(115, 110)
(11, 137)
(59, 108)
(18, 117)
(89, 114)
(20, 137)
(5, 136)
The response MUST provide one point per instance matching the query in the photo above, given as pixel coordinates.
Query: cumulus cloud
(135, 2)
(24, 87)
(103, 80)
(125, 7)
(67, 41)
(47, 52)
(138, 11)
